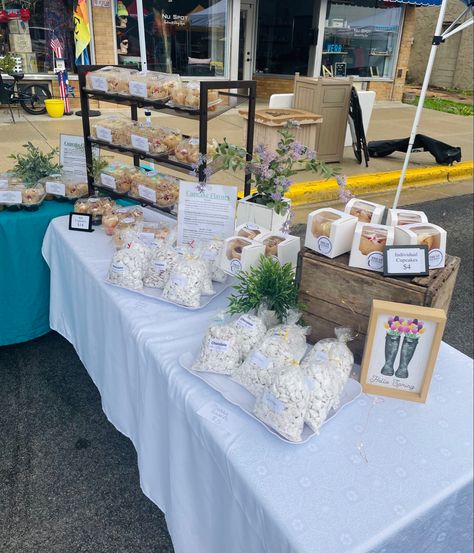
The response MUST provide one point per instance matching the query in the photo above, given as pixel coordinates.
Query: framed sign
(401, 349)
(59, 65)
(340, 69)
(405, 261)
(80, 221)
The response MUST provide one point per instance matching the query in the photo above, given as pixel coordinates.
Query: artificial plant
(34, 164)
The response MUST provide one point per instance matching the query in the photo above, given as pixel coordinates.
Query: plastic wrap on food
(126, 269)
(118, 177)
(220, 350)
(153, 85)
(187, 95)
(187, 150)
(284, 403)
(114, 129)
(211, 253)
(251, 330)
(110, 79)
(162, 261)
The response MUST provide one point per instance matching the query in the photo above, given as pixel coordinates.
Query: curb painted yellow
(319, 191)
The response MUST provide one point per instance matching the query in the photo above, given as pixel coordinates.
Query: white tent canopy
(439, 37)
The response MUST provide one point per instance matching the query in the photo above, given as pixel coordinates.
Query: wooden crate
(338, 295)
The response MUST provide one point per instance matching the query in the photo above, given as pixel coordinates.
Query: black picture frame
(71, 222)
(340, 69)
(418, 247)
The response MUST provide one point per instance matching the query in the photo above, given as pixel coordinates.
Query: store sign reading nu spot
(174, 19)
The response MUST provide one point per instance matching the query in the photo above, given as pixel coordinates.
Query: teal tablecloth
(24, 275)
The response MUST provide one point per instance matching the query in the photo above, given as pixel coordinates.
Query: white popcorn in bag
(283, 405)
(252, 329)
(126, 269)
(185, 283)
(163, 260)
(326, 368)
(293, 333)
(211, 253)
(257, 371)
(220, 351)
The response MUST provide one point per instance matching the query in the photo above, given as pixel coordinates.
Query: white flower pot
(251, 212)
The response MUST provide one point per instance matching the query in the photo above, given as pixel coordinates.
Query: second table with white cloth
(383, 476)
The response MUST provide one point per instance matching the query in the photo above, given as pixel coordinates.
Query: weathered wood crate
(338, 295)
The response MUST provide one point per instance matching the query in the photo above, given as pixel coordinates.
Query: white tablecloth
(224, 483)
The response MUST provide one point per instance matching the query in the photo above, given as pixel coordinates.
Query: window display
(181, 37)
(361, 40)
(26, 30)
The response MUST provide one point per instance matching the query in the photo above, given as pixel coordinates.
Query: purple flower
(310, 154)
(341, 181)
(344, 193)
(207, 172)
(292, 124)
(298, 148)
(276, 196)
(260, 149)
(201, 187)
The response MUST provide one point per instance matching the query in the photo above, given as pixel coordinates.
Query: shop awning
(417, 2)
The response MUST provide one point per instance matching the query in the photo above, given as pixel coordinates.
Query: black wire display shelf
(162, 106)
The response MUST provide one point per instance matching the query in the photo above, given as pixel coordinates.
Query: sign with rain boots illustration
(401, 349)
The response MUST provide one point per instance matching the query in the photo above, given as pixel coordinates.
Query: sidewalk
(389, 120)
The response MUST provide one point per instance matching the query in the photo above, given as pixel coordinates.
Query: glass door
(246, 41)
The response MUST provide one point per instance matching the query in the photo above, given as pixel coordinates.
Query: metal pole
(421, 101)
(141, 34)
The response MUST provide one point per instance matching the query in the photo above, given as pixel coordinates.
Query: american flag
(58, 52)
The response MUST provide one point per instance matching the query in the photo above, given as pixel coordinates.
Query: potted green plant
(34, 164)
(268, 284)
(271, 174)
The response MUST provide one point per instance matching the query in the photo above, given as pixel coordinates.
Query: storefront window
(26, 33)
(284, 36)
(361, 40)
(182, 36)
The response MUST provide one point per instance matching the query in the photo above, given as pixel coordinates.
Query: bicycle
(31, 97)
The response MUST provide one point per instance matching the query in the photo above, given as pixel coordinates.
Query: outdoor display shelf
(236, 91)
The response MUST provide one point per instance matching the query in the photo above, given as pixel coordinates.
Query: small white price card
(99, 83)
(55, 188)
(140, 143)
(147, 193)
(137, 89)
(103, 134)
(80, 221)
(10, 197)
(405, 261)
(108, 181)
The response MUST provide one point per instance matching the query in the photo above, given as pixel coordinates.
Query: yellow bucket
(54, 107)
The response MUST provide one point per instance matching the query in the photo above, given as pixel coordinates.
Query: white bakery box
(283, 247)
(368, 245)
(398, 217)
(330, 231)
(240, 254)
(365, 211)
(424, 234)
(250, 230)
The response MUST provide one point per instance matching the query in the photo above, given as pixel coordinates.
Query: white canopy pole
(141, 34)
(421, 101)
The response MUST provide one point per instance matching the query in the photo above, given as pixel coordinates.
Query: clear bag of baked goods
(187, 150)
(114, 129)
(126, 269)
(162, 261)
(147, 139)
(220, 350)
(66, 186)
(157, 232)
(122, 229)
(109, 79)
(153, 85)
(259, 367)
(211, 252)
(284, 403)
(158, 188)
(326, 368)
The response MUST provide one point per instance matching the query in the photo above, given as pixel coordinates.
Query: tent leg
(421, 101)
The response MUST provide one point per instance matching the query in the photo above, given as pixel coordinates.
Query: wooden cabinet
(330, 98)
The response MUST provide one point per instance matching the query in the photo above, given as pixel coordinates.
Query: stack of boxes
(20, 46)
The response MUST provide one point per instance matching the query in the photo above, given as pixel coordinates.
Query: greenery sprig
(34, 164)
(269, 284)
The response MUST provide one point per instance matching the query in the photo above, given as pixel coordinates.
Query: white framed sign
(205, 212)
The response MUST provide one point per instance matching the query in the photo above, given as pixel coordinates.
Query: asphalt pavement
(69, 481)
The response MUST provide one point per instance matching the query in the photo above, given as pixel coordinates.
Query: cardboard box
(283, 247)
(239, 254)
(20, 43)
(26, 63)
(424, 234)
(330, 231)
(250, 230)
(398, 217)
(18, 27)
(366, 212)
(368, 244)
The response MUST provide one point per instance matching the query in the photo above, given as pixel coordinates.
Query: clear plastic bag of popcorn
(261, 364)
(293, 333)
(127, 267)
(326, 368)
(284, 403)
(211, 252)
(252, 328)
(220, 350)
(162, 261)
